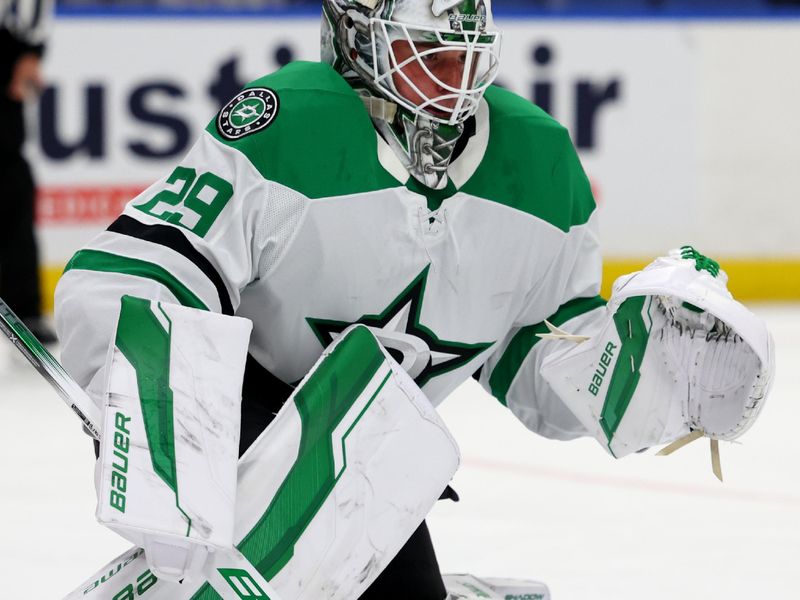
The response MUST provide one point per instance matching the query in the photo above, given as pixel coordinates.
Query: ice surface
(644, 527)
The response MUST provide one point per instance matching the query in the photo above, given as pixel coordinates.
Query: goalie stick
(44, 362)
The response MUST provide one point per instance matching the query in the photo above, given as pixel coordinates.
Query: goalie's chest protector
(345, 236)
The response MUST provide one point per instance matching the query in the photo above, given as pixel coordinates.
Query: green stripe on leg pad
(145, 343)
(322, 402)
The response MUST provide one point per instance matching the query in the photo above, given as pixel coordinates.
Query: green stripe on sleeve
(525, 339)
(96, 260)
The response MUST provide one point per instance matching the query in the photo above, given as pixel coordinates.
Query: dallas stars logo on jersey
(418, 350)
(251, 111)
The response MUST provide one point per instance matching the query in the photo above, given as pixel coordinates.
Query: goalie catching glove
(678, 358)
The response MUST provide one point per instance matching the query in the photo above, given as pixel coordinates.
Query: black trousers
(19, 257)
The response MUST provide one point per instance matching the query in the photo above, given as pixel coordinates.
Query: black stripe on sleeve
(173, 239)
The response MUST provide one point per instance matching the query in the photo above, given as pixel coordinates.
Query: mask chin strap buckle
(425, 161)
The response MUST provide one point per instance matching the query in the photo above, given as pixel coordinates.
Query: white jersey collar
(465, 165)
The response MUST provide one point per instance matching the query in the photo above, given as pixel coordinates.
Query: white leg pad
(334, 487)
(166, 477)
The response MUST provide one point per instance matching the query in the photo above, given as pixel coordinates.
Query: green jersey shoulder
(530, 164)
(308, 131)
(305, 127)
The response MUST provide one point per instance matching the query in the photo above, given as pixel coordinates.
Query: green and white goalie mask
(422, 67)
(475, 49)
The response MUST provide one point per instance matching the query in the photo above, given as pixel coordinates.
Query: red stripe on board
(716, 491)
(76, 205)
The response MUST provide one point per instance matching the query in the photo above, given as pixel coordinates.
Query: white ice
(644, 527)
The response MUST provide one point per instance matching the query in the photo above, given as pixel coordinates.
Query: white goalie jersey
(277, 217)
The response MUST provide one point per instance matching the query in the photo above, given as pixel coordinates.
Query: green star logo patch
(252, 110)
(414, 346)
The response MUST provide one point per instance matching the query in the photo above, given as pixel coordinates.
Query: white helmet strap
(379, 108)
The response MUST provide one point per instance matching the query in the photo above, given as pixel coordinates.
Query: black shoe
(41, 330)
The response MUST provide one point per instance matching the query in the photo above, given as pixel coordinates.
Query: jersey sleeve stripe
(96, 260)
(522, 343)
(175, 240)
